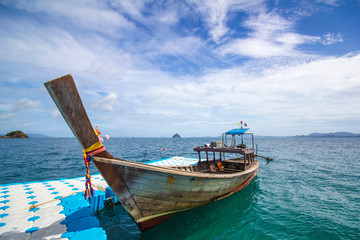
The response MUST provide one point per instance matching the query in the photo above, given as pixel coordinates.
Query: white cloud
(330, 38)
(55, 114)
(269, 36)
(215, 13)
(25, 104)
(133, 8)
(161, 16)
(256, 48)
(4, 105)
(168, 17)
(107, 104)
(329, 2)
(272, 35)
(95, 15)
(316, 92)
(292, 39)
(180, 46)
(7, 116)
(44, 46)
(265, 25)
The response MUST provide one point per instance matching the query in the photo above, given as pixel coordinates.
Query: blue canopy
(237, 131)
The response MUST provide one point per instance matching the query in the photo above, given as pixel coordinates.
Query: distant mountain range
(332, 135)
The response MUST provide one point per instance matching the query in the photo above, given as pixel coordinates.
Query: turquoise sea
(311, 190)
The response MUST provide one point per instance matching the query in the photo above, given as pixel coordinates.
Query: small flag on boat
(245, 125)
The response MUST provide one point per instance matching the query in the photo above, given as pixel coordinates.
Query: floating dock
(57, 209)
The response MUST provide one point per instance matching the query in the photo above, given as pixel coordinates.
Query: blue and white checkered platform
(57, 209)
(45, 210)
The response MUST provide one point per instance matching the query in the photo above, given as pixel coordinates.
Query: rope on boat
(87, 153)
(267, 158)
(37, 205)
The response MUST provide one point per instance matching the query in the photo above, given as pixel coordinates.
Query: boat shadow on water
(215, 220)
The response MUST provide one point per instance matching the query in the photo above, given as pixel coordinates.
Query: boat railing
(243, 160)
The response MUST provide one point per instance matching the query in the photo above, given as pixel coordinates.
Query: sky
(195, 67)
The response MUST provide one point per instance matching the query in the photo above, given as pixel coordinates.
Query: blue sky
(197, 67)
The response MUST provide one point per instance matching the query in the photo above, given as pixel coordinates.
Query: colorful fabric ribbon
(87, 153)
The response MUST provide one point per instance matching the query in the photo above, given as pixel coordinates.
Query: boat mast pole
(242, 141)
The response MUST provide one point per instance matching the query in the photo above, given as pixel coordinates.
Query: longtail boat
(152, 194)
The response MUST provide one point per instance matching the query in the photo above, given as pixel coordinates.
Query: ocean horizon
(311, 135)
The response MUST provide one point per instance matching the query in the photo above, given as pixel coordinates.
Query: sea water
(311, 190)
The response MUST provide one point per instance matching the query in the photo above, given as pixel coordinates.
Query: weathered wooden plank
(164, 201)
(210, 187)
(158, 205)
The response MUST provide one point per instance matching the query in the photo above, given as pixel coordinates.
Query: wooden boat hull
(156, 193)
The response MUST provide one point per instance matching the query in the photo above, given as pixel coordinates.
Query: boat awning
(237, 131)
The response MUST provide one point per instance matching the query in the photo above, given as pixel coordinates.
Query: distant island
(16, 134)
(176, 135)
(332, 135)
